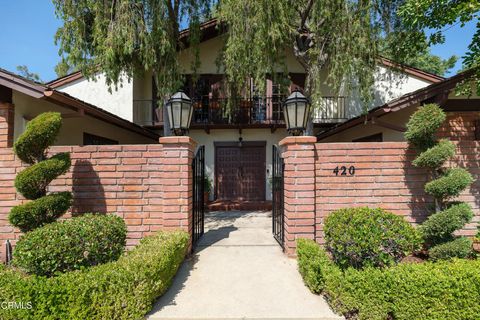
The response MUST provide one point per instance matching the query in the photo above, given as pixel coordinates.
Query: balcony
(239, 112)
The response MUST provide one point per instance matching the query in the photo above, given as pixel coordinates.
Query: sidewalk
(239, 272)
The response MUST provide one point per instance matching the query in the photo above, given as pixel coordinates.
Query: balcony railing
(239, 111)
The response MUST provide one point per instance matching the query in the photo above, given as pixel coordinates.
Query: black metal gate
(198, 167)
(277, 196)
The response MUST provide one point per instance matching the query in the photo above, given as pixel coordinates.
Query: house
(84, 123)
(387, 122)
(238, 145)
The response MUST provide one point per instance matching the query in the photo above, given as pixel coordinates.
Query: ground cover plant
(445, 184)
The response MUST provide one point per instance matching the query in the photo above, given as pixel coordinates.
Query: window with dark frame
(91, 139)
(378, 137)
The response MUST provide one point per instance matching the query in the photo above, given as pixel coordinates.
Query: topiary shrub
(363, 236)
(446, 183)
(71, 244)
(33, 181)
(457, 248)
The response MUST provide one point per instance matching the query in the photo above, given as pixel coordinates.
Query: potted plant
(207, 188)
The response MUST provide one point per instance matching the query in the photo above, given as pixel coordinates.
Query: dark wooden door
(240, 171)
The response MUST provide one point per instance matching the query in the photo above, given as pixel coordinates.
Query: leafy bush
(423, 125)
(359, 237)
(33, 181)
(435, 156)
(439, 227)
(441, 290)
(449, 185)
(124, 289)
(458, 248)
(40, 134)
(39, 212)
(71, 244)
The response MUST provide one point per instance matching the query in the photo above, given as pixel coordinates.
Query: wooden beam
(462, 105)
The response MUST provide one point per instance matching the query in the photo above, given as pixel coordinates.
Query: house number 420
(343, 171)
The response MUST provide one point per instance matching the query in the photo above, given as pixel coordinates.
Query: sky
(28, 28)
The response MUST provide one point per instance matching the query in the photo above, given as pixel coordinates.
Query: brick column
(176, 179)
(6, 124)
(299, 187)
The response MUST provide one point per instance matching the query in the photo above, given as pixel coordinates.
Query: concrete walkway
(239, 272)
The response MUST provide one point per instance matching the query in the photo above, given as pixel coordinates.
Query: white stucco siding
(72, 129)
(96, 92)
(229, 135)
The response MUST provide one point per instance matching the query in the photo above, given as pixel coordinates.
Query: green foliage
(359, 237)
(436, 156)
(458, 248)
(423, 125)
(207, 184)
(33, 181)
(124, 289)
(40, 134)
(441, 290)
(37, 213)
(25, 72)
(451, 184)
(439, 227)
(71, 244)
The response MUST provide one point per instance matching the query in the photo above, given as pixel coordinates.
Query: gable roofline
(40, 91)
(213, 28)
(402, 102)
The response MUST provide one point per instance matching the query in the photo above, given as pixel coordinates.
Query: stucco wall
(118, 102)
(228, 135)
(72, 128)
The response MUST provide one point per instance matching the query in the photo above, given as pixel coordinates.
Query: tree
(63, 68)
(429, 62)
(125, 37)
(439, 15)
(25, 72)
(445, 184)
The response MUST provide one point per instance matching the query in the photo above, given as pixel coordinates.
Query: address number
(344, 171)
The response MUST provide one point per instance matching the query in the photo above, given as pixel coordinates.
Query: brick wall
(460, 126)
(6, 124)
(147, 185)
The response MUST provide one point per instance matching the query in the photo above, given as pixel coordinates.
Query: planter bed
(124, 289)
(440, 290)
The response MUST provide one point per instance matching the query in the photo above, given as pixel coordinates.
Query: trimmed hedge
(457, 248)
(124, 289)
(40, 134)
(71, 244)
(37, 213)
(359, 237)
(449, 185)
(435, 156)
(33, 181)
(441, 290)
(440, 226)
(423, 125)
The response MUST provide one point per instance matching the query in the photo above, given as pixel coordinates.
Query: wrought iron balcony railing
(238, 111)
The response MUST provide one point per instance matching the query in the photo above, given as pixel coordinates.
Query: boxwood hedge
(440, 290)
(124, 289)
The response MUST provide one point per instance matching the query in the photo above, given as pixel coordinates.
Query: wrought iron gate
(277, 196)
(198, 167)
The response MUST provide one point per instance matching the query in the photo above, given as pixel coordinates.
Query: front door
(240, 171)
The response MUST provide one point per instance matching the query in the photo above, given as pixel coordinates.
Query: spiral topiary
(445, 184)
(33, 181)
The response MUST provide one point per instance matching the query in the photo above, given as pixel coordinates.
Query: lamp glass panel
(176, 108)
(185, 115)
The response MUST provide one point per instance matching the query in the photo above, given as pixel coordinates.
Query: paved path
(239, 272)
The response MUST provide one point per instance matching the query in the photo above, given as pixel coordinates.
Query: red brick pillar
(176, 180)
(6, 124)
(298, 154)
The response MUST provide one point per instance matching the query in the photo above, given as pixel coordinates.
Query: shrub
(450, 185)
(423, 125)
(439, 227)
(435, 156)
(39, 212)
(40, 134)
(441, 290)
(363, 236)
(71, 244)
(33, 181)
(458, 248)
(124, 289)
